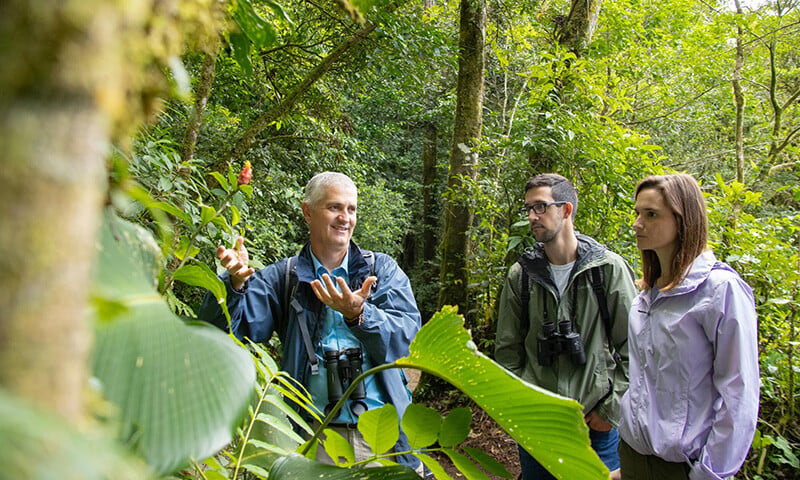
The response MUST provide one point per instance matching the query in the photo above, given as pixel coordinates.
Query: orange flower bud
(246, 174)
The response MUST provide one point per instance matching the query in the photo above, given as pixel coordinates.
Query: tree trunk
(430, 220)
(577, 30)
(458, 214)
(202, 92)
(738, 97)
(53, 144)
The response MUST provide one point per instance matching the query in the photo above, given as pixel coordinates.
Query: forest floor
(484, 434)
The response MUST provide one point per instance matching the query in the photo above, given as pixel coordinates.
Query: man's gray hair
(315, 188)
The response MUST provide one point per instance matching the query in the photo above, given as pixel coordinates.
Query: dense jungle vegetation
(133, 119)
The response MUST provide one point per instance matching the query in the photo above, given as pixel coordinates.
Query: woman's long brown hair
(683, 196)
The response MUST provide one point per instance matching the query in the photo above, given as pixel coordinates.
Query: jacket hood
(697, 273)
(589, 250)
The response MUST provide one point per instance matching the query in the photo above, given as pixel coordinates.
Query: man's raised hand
(347, 302)
(235, 260)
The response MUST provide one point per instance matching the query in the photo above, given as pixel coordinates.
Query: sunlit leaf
(338, 448)
(487, 462)
(380, 428)
(465, 465)
(435, 467)
(548, 426)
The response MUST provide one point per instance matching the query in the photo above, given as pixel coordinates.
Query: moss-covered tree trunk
(53, 142)
(578, 28)
(458, 214)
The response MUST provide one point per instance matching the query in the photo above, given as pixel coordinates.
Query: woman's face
(656, 226)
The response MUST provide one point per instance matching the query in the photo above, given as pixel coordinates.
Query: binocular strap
(301, 320)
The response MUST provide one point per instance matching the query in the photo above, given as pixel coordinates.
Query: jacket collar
(356, 265)
(696, 274)
(588, 249)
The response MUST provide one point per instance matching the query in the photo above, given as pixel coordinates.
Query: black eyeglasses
(538, 208)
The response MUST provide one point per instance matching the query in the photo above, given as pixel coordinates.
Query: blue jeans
(604, 443)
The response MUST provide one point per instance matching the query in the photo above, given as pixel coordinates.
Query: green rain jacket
(599, 384)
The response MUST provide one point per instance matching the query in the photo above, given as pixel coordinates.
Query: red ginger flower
(246, 174)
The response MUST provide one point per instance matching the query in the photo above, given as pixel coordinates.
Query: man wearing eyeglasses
(563, 319)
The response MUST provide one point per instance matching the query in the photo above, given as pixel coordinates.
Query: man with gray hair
(563, 319)
(334, 307)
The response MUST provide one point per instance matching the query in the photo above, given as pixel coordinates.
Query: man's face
(332, 220)
(546, 226)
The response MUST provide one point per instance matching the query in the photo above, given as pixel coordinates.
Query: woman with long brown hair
(691, 409)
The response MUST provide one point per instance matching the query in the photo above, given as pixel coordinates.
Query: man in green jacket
(572, 337)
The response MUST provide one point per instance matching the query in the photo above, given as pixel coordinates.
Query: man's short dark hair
(562, 189)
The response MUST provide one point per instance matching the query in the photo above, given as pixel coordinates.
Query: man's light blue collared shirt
(336, 335)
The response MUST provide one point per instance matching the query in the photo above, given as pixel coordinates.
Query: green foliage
(179, 390)
(764, 250)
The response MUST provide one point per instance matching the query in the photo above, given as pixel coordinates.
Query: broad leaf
(339, 449)
(435, 467)
(421, 425)
(455, 427)
(35, 444)
(380, 428)
(548, 426)
(488, 463)
(297, 467)
(220, 179)
(465, 465)
(280, 425)
(200, 275)
(180, 389)
(172, 210)
(258, 30)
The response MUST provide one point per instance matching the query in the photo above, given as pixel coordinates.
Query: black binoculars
(553, 343)
(342, 368)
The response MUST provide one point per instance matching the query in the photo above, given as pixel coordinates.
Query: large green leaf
(180, 389)
(548, 426)
(297, 467)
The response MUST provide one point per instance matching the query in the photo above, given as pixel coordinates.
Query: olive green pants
(635, 466)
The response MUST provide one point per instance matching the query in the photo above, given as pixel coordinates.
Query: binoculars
(342, 368)
(553, 343)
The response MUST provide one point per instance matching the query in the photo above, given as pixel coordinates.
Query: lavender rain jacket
(694, 379)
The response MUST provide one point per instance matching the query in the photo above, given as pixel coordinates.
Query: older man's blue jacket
(390, 319)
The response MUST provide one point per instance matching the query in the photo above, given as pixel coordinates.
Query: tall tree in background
(580, 24)
(458, 213)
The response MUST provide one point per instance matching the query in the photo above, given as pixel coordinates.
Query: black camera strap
(596, 274)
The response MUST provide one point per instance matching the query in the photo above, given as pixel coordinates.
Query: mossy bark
(458, 214)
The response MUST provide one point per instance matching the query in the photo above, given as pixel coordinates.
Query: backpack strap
(289, 288)
(289, 281)
(602, 304)
(525, 298)
(369, 257)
